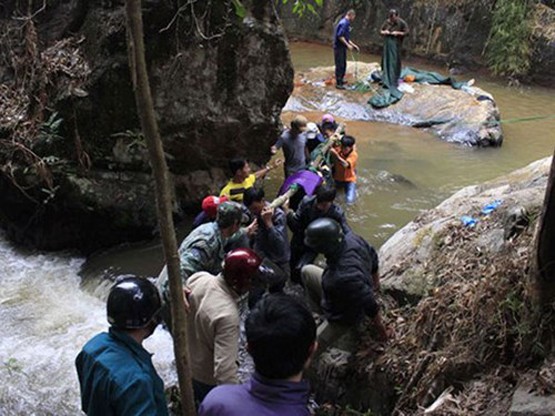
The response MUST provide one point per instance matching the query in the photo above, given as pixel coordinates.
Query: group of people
(300, 142)
(393, 30)
(239, 251)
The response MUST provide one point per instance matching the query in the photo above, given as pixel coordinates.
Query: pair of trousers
(340, 58)
(327, 332)
(350, 190)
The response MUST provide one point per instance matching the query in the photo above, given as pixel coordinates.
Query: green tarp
(390, 94)
(391, 72)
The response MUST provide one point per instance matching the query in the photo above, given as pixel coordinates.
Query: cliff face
(219, 82)
(449, 32)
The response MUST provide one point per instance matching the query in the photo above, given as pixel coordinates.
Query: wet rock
(217, 94)
(468, 116)
(404, 256)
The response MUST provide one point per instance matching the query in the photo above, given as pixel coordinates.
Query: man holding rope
(342, 42)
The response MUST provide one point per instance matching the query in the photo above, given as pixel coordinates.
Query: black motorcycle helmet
(132, 303)
(323, 235)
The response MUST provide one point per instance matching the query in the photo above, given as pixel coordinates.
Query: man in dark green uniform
(394, 31)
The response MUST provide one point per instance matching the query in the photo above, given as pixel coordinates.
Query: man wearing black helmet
(115, 372)
(213, 320)
(344, 291)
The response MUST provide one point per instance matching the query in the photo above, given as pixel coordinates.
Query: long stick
(149, 126)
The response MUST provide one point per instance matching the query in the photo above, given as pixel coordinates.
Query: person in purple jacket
(281, 338)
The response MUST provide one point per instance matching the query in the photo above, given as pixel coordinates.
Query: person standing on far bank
(342, 42)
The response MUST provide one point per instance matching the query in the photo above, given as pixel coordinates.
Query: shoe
(340, 87)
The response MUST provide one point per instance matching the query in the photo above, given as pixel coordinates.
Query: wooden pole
(145, 108)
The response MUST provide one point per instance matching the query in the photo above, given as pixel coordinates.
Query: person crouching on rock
(344, 292)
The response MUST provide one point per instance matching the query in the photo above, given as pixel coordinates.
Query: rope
(356, 64)
(521, 119)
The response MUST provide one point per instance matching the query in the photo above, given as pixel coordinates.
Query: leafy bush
(508, 52)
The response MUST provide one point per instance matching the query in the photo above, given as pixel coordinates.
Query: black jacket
(347, 282)
(306, 213)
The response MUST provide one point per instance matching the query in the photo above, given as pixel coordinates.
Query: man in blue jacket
(341, 42)
(115, 372)
(281, 338)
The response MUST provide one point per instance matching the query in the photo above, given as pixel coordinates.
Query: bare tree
(149, 127)
(543, 262)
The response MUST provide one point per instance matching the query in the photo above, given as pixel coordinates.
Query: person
(313, 137)
(341, 42)
(213, 320)
(204, 249)
(281, 338)
(271, 240)
(116, 375)
(209, 210)
(243, 178)
(293, 142)
(311, 207)
(344, 168)
(394, 30)
(344, 291)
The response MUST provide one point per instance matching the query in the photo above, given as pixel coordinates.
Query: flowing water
(47, 314)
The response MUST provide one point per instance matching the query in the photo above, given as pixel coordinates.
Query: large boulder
(468, 116)
(407, 258)
(219, 81)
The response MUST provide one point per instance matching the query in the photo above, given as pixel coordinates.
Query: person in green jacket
(115, 372)
(394, 30)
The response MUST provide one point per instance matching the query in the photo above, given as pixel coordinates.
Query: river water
(47, 313)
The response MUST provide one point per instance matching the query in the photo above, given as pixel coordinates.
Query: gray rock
(402, 256)
(528, 403)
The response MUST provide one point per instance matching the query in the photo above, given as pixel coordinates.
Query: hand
(356, 47)
(350, 47)
(273, 150)
(252, 228)
(386, 32)
(285, 205)
(266, 215)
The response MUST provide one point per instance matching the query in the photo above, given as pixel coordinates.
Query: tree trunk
(149, 126)
(543, 267)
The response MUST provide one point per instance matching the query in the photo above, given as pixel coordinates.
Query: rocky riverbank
(468, 339)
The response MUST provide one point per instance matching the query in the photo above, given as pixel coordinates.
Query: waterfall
(46, 318)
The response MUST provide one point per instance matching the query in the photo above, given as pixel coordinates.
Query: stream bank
(459, 299)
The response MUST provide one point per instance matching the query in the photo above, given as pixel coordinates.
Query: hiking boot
(340, 87)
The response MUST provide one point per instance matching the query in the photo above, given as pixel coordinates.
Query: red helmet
(240, 267)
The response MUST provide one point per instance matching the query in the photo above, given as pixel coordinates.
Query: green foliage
(50, 130)
(508, 52)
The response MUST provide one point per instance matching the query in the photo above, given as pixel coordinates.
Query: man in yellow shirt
(243, 178)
